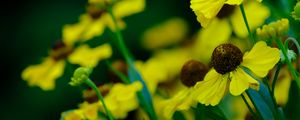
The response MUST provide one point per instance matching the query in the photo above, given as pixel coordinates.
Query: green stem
(119, 40)
(246, 23)
(125, 52)
(249, 107)
(259, 112)
(289, 63)
(90, 83)
(275, 78)
(290, 39)
(118, 73)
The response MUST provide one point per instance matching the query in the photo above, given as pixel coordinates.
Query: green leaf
(178, 116)
(293, 107)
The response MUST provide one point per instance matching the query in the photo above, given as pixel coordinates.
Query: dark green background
(30, 27)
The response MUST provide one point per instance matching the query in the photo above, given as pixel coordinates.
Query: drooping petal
(261, 59)
(89, 57)
(240, 81)
(183, 100)
(44, 75)
(212, 89)
(206, 10)
(256, 13)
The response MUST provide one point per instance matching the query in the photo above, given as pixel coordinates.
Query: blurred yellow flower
(227, 61)
(94, 22)
(44, 75)
(86, 111)
(207, 10)
(122, 99)
(164, 65)
(164, 34)
(274, 29)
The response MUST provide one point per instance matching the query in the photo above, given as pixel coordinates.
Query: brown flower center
(192, 72)
(60, 50)
(226, 58)
(94, 12)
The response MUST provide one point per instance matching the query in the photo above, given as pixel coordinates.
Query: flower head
(97, 18)
(52, 67)
(80, 75)
(206, 10)
(228, 63)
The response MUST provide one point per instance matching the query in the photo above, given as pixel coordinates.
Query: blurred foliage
(29, 29)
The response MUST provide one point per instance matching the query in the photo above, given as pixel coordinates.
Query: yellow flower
(94, 22)
(206, 10)
(85, 111)
(227, 61)
(162, 66)
(165, 34)
(122, 99)
(228, 20)
(44, 75)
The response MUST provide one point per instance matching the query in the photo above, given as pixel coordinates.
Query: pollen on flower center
(225, 11)
(192, 72)
(226, 58)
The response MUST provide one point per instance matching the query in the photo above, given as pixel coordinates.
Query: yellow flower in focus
(206, 10)
(165, 34)
(227, 21)
(227, 61)
(44, 74)
(94, 22)
(274, 29)
(122, 99)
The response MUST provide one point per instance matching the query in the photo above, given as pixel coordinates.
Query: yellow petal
(212, 89)
(84, 30)
(256, 15)
(261, 59)
(240, 81)
(206, 10)
(125, 8)
(165, 34)
(234, 2)
(44, 75)
(89, 57)
(122, 99)
(209, 38)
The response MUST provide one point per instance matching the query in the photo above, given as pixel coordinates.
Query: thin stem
(290, 39)
(290, 66)
(259, 112)
(249, 107)
(118, 73)
(125, 52)
(90, 83)
(119, 40)
(246, 23)
(275, 78)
